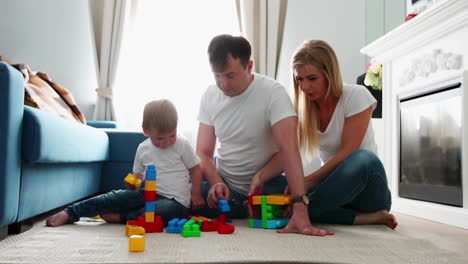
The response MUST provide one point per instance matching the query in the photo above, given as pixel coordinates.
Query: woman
(334, 118)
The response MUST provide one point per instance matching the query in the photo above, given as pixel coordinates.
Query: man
(254, 121)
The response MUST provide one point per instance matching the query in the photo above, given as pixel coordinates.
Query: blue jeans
(236, 201)
(358, 185)
(128, 203)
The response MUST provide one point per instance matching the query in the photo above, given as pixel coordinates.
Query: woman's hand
(217, 191)
(300, 223)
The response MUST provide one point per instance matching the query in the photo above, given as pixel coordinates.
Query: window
(165, 56)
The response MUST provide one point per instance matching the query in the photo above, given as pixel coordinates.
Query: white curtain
(262, 23)
(165, 56)
(115, 22)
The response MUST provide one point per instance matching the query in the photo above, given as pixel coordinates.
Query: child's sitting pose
(174, 159)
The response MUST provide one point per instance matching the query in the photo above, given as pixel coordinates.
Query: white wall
(53, 36)
(340, 23)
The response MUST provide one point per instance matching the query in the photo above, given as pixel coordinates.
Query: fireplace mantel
(430, 49)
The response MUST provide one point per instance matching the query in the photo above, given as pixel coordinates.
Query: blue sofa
(47, 162)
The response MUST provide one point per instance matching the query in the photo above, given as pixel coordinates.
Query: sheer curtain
(166, 57)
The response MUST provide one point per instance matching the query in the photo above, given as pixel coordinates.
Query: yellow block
(278, 199)
(257, 199)
(149, 216)
(132, 180)
(131, 230)
(150, 185)
(136, 243)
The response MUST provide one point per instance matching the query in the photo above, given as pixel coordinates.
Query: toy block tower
(149, 221)
(268, 210)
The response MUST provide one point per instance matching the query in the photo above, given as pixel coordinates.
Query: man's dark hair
(223, 45)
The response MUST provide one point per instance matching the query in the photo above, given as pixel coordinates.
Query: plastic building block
(209, 226)
(278, 199)
(149, 217)
(276, 223)
(222, 218)
(136, 243)
(150, 196)
(132, 180)
(150, 186)
(175, 225)
(191, 229)
(223, 206)
(226, 229)
(151, 173)
(150, 206)
(131, 230)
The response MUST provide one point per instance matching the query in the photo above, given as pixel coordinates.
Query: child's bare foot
(111, 218)
(377, 218)
(57, 219)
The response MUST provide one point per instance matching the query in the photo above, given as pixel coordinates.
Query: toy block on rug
(268, 211)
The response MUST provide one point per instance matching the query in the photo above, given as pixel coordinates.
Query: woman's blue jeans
(358, 185)
(128, 203)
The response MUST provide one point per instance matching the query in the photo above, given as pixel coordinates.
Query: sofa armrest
(51, 139)
(122, 149)
(123, 144)
(102, 124)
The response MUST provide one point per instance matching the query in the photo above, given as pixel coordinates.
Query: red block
(208, 226)
(155, 227)
(226, 229)
(150, 196)
(250, 199)
(222, 218)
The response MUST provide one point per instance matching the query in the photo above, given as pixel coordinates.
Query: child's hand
(134, 186)
(197, 202)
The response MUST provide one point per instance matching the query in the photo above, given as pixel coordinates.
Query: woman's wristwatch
(301, 199)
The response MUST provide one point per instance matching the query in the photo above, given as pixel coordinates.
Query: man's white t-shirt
(354, 100)
(243, 127)
(172, 166)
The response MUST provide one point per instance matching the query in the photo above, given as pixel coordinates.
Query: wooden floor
(445, 236)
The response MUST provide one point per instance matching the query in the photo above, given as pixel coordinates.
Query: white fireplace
(421, 56)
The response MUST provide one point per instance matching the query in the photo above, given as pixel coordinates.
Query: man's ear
(145, 132)
(250, 66)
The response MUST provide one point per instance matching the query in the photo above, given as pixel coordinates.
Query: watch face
(305, 199)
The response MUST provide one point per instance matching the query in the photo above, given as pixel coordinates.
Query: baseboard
(445, 214)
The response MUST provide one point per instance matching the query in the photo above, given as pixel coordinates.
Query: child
(174, 160)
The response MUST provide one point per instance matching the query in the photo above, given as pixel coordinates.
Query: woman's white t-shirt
(354, 100)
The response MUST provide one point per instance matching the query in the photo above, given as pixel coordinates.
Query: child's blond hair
(160, 115)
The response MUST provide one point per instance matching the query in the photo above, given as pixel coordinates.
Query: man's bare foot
(111, 218)
(57, 219)
(382, 217)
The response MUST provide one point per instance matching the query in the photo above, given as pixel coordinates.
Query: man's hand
(217, 191)
(197, 202)
(300, 223)
(256, 186)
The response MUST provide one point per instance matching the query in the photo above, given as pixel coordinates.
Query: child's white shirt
(354, 100)
(172, 166)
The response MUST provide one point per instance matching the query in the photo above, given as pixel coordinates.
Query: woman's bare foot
(57, 219)
(377, 218)
(111, 218)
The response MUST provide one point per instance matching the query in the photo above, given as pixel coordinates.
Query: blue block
(150, 206)
(277, 223)
(172, 226)
(257, 223)
(151, 173)
(223, 206)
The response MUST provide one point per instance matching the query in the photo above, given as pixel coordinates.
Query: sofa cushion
(50, 139)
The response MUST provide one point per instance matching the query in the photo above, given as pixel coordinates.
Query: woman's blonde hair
(319, 54)
(160, 115)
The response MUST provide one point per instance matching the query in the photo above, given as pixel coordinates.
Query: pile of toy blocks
(268, 211)
(194, 225)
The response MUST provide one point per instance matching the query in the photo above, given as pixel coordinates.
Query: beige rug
(87, 242)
